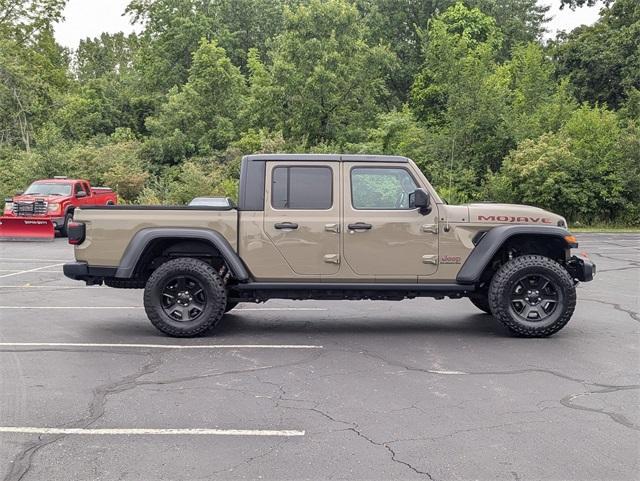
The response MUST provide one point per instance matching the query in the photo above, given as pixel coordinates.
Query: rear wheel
(185, 297)
(533, 296)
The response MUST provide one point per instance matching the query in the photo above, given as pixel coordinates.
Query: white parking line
(18, 270)
(161, 346)
(71, 307)
(146, 432)
(8, 259)
(30, 270)
(282, 309)
(140, 307)
(53, 286)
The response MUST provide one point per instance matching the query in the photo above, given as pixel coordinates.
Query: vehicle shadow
(238, 325)
(476, 325)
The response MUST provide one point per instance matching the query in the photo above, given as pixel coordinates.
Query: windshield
(48, 189)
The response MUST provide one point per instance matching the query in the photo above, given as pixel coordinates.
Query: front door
(302, 214)
(385, 238)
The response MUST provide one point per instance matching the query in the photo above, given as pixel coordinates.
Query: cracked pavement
(420, 389)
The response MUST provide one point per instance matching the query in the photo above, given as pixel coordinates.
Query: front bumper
(57, 221)
(81, 271)
(581, 268)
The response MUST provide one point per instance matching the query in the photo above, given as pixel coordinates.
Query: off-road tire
(211, 283)
(230, 305)
(64, 230)
(481, 301)
(507, 277)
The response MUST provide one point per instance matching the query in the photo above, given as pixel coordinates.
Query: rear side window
(308, 188)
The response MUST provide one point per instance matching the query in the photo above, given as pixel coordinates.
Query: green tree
(400, 25)
(107, 55)
(326, 81)
(583, 3)
(32, 74)
(520, 21)
(459, 92)
(537, 103)
(173, 30)
(584, 172)
(203, 116)
(602, 61)
(23, 20)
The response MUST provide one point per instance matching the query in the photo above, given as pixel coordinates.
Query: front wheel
(533, 296)
(185, 297)
(64, 230)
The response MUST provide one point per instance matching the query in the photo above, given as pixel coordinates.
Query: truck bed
(109, 229)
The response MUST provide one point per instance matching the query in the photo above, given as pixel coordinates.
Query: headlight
(8, 207)
(54, 207)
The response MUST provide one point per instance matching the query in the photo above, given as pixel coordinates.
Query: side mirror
(420, 199)
(19, 192)
(81, 194)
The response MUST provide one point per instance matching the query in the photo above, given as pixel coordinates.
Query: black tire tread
(201, 268)
(500, 282)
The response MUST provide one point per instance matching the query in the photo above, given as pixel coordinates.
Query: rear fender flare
(144, 237)
(493, 241)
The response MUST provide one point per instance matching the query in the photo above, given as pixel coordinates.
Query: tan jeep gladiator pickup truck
(316, 226)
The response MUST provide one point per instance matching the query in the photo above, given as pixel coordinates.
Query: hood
(32, 198)
(491, 213)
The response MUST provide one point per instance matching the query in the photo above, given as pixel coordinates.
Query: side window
(381, 188)
(308, 188)
(77, 188)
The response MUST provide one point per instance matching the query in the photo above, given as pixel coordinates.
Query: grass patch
(605, 228)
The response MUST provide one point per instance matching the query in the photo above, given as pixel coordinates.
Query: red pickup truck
(48, 205)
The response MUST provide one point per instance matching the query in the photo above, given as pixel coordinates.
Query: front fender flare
(493, 240)
(142, 238)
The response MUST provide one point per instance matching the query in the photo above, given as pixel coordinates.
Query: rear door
(302, 214)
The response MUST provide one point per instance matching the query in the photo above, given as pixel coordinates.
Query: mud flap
(26, 229)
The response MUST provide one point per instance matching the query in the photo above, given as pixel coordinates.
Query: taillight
(75, 232)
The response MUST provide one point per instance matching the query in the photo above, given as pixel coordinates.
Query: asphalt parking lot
(419, 389)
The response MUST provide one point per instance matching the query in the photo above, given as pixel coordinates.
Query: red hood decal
(515, 219)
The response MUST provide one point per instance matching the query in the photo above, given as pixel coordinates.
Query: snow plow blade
(26, 229)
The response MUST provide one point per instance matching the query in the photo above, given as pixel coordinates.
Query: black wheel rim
(534, 298)
(183, 298)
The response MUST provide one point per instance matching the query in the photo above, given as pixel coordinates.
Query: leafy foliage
(602, 61)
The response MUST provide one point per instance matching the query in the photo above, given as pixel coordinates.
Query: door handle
(286, 225)
(359, 226)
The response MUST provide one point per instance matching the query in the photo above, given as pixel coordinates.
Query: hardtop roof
(328, 157)
(58, 181)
